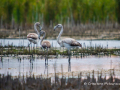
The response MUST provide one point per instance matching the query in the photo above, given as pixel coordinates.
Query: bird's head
(38, 25)
(57, 26)
(42, 32)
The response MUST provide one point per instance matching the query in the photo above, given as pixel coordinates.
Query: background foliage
(59, 11)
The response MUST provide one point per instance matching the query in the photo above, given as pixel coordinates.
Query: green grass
(55, 51)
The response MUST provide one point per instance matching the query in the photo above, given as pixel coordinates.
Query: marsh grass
(85, 51)
(87, 81)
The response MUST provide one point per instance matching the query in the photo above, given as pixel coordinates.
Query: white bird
(45, 44)
(33, 37)
(67, 42)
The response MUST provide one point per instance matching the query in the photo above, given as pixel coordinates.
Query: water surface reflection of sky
(85, 43)
(38, 67)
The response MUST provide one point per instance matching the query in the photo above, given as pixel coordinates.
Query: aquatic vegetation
(6, 50)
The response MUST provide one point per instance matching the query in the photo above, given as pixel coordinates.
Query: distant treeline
(26, 12)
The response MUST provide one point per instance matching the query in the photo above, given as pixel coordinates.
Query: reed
(33, 82)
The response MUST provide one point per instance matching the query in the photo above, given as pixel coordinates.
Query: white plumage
(45, 44)
(67, 42)
(33, 37)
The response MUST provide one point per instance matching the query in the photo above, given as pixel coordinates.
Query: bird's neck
(58, 39)
(35, 27)
(42, 38)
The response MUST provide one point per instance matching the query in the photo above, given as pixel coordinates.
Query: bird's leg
(47, 55)
(29, 44)
(69, 54)
(69, 66)
(45, 68)
(30, 50)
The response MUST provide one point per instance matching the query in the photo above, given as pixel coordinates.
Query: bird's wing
(32, 35)
(71, 42)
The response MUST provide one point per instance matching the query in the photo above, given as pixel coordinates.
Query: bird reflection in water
(1, 61)
(69, 66)
(31, 65)
(46, 69)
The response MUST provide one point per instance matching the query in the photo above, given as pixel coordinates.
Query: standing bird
(45, 44)
(33, 37)
(67, 42)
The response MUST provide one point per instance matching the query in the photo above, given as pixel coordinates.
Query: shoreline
(75, 37)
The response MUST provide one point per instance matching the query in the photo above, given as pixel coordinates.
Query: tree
(118, 10)
(51, 11)
(8, 8)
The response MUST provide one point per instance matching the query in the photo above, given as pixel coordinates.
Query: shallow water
(85, 43)
(38, 67)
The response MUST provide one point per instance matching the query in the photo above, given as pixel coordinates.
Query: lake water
(38, 67)
(85, 43)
